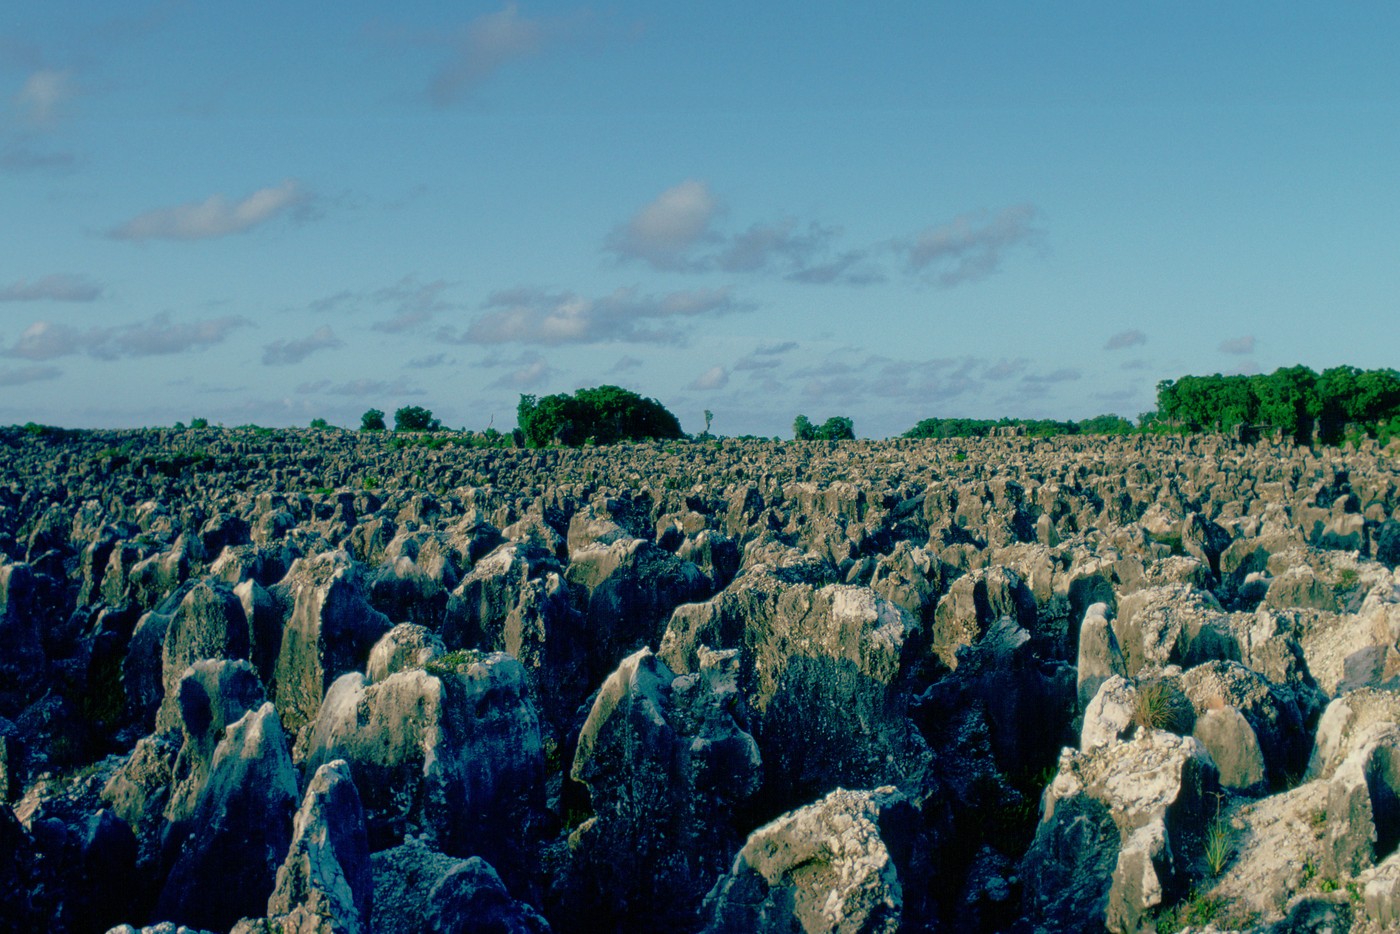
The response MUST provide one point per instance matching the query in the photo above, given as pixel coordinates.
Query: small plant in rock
(1328, 885)
(1219, 843)
(1347, 579)
(1354, 893)
(1154, 707)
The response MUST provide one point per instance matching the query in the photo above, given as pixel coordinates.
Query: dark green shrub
(603, 415)
(373, 420)
(415, 418)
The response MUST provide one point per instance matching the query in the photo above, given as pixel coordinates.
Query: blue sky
(271, 212)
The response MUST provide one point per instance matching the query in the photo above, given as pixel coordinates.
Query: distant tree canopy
(1291, 399)
(1035, 428)
(373, 420)
(602, 415)
(415, 418)
(836, 428)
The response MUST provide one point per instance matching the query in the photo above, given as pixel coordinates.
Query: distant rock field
(324, 681)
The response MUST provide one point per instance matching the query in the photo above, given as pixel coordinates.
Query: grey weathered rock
(1100, 658)
(974, 602)
(453, 752)
(1154, 788)
(516, 600)
(632, 586)
(828, 866)
(1363, 801)
(209, 624)
(404, 647)
(667, 767)
(820, 671)
(330, 629)
(326, 884)
(420, 891)
(241, 827)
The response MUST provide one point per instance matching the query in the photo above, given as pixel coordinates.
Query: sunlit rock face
(327, 682)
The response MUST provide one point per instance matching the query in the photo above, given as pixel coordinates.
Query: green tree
(803, 430)
(373, 420)
(837, 428)
(601, 415)
(320, 424)
(415, 418)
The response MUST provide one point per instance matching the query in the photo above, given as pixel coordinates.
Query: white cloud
(215, 216)
(663, 232)
(283, 353)
(530, 316)
(716, 377)
(1124, 339)
(59, 287)
(970, 246)
(160, 335)
(625, 363)
(1238, 345)
(44, 92)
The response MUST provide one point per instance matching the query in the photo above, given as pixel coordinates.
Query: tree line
(1295, 401)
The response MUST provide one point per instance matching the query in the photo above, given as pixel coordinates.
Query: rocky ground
(323, 681)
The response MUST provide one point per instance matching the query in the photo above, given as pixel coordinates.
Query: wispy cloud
(1238, 345)
(492, 41)
(678, 232)
(528, 371)
(59, 287)
(1124, 339)
(414, 303)
(41, 98)
(429, 362)
(1064, 375)
(20, 157)
(284, 353)
(359, 388)
(215, 216)
(157, 336)
(970, 246)
(626, 363)
(18, 376)
(531, 316)
(1005, 369)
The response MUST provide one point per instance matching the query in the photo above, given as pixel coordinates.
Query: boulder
(325, 884)
(330, 628)
(452, 752)
(1100, 658)
(667, 768)
(418, 890)
(242, 825)
(402, 648)
(1154, 788)
(632, 586)
(832, 866)
(821, 673)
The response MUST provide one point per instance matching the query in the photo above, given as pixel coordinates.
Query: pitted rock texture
(334, 681)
